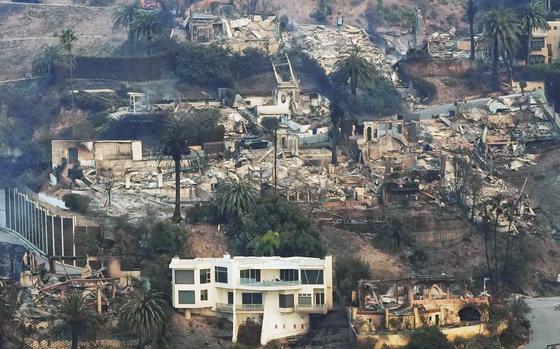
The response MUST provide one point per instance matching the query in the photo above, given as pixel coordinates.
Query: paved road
(545, 322)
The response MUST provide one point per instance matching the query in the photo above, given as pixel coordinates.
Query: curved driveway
(545, 322)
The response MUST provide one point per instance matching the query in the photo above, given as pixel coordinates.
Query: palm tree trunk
(334, 134)
(74, 338)
(488, 268)
(506, 259)
(177, 214)
(529, 36)
(495, 283)
(471, 32)
(474, 199)
(495, 63)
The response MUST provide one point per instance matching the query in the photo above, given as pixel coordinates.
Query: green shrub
(76, 202)
(428, 338)
(348, 270)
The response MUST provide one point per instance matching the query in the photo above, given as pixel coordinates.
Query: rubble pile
(325, 45)
(446, 45)
(254, 32)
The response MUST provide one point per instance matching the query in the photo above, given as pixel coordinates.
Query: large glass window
(250, 275)
(184, 277)
(304, 299)
(205, 276)
(312, 277)
(286, 300)
(251, 298)
(221, 275)
(536, 59)
(537, 44)
(186, 297)
(289, 275)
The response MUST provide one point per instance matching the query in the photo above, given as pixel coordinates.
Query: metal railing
(267, 283)
(311, 307)
(224, 307)
(250, 307)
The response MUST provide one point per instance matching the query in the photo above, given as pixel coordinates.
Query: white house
(279, 293)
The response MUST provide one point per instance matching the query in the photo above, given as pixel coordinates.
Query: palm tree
(354, 69)
(67, 38)
(503, 30)
(148, 26)
(471, 11)
(77, 320)
(126, 15)
(50, 56)
(143, 314)
(267, 245)
(533, 17)
(233, 197)
(176, 145)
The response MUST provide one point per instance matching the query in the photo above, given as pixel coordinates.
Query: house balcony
(250, 307)
(252, 283)
(312, 308)
(224, 307)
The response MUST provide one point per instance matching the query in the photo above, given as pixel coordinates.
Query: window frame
(186, 292)
(305, 296)
(253, 296)
(282, 297)
(250, 274)
(205, 276)
(319, 279)
(219, 272)
(203, 295)
(289, 274)
(177, 271)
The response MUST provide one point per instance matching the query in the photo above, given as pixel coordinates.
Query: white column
(234, 317)
(74, 239)
(45, 232)
(62, 234)
(53, 241)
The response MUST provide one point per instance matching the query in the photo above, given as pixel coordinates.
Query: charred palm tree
(176, 145)
(471, 12)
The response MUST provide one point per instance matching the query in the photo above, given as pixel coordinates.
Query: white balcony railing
(267, 283)
(224, 307)
(311, 308)
(250, 307)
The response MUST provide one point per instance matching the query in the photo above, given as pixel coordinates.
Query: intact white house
(277, 292)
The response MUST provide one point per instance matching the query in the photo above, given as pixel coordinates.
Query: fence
(109, 337)
(52, 234)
